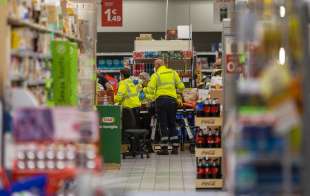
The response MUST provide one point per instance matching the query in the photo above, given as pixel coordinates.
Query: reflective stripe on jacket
(165, 82)
(127, 94)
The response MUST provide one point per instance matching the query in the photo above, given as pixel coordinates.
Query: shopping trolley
(185, 128)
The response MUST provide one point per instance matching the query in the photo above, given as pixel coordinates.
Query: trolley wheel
(182, 147)
(192, 149)
(147, 155)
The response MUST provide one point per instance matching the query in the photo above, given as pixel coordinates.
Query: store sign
(112, 13)
(235, 63)
(108, 120)
(222, 9)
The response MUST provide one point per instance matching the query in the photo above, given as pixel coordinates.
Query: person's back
(164, 87)
(166, 82)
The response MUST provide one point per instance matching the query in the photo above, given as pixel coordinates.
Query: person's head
(125, 73)
(145, 77)
(158, 63)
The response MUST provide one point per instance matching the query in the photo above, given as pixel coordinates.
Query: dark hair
(125, 72)
(102, 81)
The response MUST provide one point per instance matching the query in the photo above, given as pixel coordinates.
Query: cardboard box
(217, 94)
(105, 96)
(52, 15)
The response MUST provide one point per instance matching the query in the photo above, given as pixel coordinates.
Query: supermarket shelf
(17, 78)
(108, 70)
(205, 53)
(146, 61)
(114, 54)
(210, 70)
(208, 121)
(173, 62)
(208, 152)
(209, 183)
(36, 83)
(35, 55)
(15, 22)
(186, 110)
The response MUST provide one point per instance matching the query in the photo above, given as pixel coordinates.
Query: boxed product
(145, 37)
(190, 95)
(45, 124)
(33, 124)
(217, 94)
(138, 55)
(203, 94)
(105, 97)
(172, 34)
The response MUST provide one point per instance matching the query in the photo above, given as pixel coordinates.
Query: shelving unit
(30, 54)
(108, 70)
(210, 70)
(15, 22)
(27, 59)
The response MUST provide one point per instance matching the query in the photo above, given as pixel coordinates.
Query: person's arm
(179, 84)
(121, 93)
(150, 89)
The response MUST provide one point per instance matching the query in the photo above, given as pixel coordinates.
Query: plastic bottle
(207, 168)
(200, 142)
(200, 169)
(210, 139)
(217, 140)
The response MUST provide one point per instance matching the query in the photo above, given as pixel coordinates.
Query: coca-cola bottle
(210, 139)
(207, 168)
(217, 140)
(200, 142)
(215, 169)
(213, 108)
(218, 108)
(207, 108)
(200, 169)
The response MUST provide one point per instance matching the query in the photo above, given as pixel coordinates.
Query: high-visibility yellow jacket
(127, 94)
(165, 82)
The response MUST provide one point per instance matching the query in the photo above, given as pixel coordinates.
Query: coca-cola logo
(107, 119)
(209, 183)
(209, 152)
(209, 121)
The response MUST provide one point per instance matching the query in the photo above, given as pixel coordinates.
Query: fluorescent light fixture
(282, 56)
(282, 11)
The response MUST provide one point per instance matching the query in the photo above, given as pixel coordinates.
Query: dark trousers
(166, 108)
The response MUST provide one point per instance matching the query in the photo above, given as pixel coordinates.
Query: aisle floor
(173, 173)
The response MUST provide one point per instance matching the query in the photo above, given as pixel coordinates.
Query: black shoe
(163, 151)
(175, 150)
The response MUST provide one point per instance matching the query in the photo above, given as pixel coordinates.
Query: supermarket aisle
(175, 173)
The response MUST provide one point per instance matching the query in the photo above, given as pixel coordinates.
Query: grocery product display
(267, 145)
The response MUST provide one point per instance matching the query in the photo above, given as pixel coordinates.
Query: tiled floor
(174, 173)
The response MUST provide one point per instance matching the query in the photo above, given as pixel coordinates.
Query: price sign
(112, 13)
(235, 63)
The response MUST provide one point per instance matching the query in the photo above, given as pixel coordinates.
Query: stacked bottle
(208, 137)
(209, 168)
(209, 108)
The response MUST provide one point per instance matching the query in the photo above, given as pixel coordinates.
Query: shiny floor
(169, 175)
